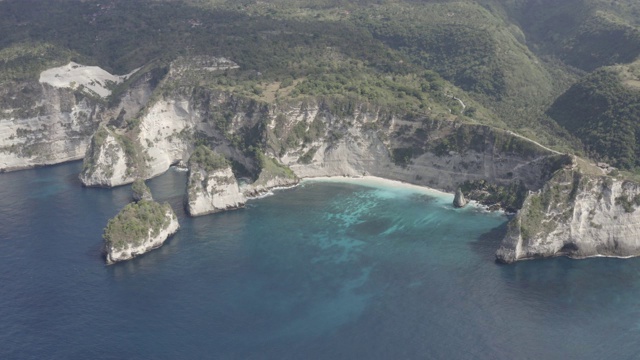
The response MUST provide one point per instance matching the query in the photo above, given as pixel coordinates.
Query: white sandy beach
(378, 182)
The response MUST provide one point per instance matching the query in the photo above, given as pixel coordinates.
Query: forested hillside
(554, 71)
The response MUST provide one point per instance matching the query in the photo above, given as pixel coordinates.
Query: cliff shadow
(487, 243)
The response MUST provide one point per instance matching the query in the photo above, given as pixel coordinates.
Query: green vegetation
(141, 191)
(603, 112)
(133, 224)
(558, 194)
(506, 61)
(307, 157)
(97, 141)
(271, 169)
(584, 33)
(629, 205)
(509, 197)
(205, 158)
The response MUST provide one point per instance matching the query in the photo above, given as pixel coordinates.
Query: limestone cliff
(313, 139)
(51, 119)
(111, 160)
(278, 143)
(50, 125)
(138, 228)
(212, 186)
(576, 215)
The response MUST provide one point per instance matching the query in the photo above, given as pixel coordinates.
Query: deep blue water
(322, 271)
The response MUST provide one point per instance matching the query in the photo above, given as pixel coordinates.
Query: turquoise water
(321, 271)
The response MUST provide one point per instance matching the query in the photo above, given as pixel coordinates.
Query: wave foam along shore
(398, 186)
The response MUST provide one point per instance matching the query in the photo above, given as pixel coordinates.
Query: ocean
(326, 270)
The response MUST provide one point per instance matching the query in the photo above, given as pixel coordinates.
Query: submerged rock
(137, 229)
(459, 201)
(212, 185)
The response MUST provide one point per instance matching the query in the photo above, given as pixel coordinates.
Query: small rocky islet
(141, 226)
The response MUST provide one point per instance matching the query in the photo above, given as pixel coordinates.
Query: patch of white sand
(377, 182)
(382, 183)
(73, 75)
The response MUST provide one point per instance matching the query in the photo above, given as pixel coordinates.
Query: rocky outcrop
(110, 160)
(138, 228)
(140, 191)
(49, 126)
(212, 185)
(318, 137)
(213, 191)
(52, 121)
(578, 216)
(459, 201)
(273, 175)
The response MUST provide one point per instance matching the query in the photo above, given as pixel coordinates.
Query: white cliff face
(51, 121)
(167, 125)
(58, 129)
(355, 145)
(107, 164)
(213, 191)
(577, 216)
(149, 243)
(365, 150)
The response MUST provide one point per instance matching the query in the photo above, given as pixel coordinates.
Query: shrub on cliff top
(135, 222)
(206, 158)
(141, 191)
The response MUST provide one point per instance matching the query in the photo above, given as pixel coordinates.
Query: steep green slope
(603, 109)
(586, 34)
(494, 62)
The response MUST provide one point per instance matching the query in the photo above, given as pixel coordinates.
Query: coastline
(381, 183)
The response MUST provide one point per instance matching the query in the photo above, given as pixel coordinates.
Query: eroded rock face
(212, 185)
(315, 138)
(459, 201)
(137, 229)
(51, 126)
(107, 163)
(212, 191)
(576, 215)
(51, 119)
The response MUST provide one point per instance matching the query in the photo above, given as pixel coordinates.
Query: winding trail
(535, 142)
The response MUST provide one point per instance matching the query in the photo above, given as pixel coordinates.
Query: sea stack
(140, 227)
(459, 201)
(212, 185)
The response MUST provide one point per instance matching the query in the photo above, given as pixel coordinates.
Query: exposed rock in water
(138, 228)
(212, 184)
(459, 200)
(140, 191)
(578, 216)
